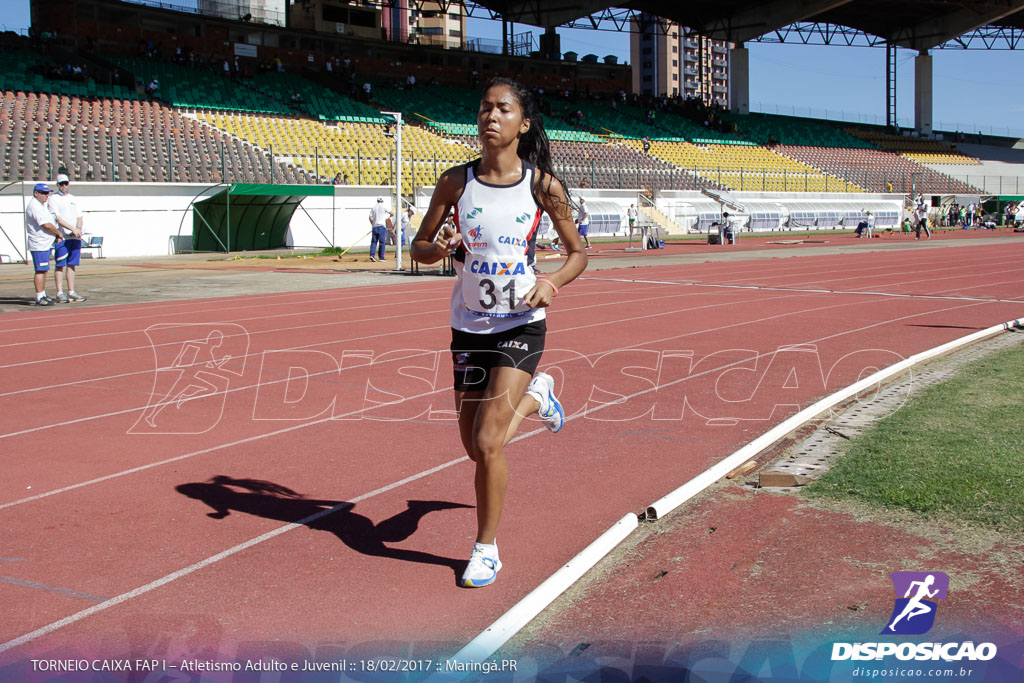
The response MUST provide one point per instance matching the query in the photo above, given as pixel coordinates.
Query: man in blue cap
(41, 227)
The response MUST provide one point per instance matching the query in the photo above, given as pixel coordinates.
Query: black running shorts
(473, 355)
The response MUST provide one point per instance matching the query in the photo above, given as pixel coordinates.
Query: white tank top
(494, 265)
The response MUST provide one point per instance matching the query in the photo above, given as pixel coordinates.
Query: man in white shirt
(921, 214)
(583, 221)
(406, 222)
(727, 234)
(41, 227)
(378, 221)
(68, 253)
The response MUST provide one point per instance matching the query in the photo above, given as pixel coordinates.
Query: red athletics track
(119, 542)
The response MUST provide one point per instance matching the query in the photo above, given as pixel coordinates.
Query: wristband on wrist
(550, 284)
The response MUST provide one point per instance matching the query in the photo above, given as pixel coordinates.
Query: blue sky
(970, 87)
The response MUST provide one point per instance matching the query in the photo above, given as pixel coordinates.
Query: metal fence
(124, 159)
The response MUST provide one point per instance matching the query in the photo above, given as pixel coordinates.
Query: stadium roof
(915, 24)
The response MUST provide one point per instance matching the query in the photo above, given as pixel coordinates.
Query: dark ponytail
(533, 144)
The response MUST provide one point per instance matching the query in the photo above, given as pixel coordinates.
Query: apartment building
(669, 59)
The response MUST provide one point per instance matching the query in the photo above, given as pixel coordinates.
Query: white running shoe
(482, 569)
(542, 388)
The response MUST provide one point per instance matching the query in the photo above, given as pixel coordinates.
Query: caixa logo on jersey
(917, 602)
(498, 268)
(513, 241)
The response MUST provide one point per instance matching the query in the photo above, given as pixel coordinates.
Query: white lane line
(603, 305)
(185, 571)
(35, 585)
(53, 359)
(141, 590)
(317, 296)
(825, 291)
(292, 428)
(319, 312)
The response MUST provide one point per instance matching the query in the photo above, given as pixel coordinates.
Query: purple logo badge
(917, 600)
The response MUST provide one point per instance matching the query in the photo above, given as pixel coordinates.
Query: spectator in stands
(153, 88)
(345, 180)
(647, 145)
(410, 82)
(41, 227)
(379, 215)
(296, 98)
(337, 179)
(64, 208)
(367, 88)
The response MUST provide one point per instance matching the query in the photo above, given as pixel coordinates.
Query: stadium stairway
(661, 220)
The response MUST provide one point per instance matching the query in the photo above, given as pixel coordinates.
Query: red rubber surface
(77, 382)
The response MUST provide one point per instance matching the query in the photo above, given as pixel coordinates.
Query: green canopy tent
(248, 217)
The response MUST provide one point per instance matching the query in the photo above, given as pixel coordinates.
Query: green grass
(955, 451)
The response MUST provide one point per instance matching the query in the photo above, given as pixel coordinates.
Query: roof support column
(923, 93)
(739, 79)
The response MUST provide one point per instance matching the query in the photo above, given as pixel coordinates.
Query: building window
(675, 62)
(454, 15)
(675, 49)
(648, 50)
(455, 33)
(675, 77)
(648, 65)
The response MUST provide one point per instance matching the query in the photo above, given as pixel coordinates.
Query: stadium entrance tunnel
(248, 217)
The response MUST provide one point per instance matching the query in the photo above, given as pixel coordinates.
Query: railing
(832, 115)
(112, 161)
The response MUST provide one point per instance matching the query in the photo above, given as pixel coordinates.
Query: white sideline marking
(485, 644)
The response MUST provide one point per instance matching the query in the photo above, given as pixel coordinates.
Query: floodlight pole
(399, 232)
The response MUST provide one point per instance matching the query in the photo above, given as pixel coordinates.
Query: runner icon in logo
(193, 380)
(207, 358)
(914, 613)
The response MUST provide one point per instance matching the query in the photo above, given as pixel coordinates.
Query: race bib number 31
(495, 287)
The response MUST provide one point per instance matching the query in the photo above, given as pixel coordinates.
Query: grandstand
(282, 118)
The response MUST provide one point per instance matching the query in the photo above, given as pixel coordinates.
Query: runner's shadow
(273, 501)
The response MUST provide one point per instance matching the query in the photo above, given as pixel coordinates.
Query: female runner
(498, 302)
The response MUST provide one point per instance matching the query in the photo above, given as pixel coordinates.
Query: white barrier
(155, 219)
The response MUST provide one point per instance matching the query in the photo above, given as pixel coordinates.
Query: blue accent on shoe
(557, 406)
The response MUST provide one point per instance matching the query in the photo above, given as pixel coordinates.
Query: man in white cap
(42, 229)
(378, 221)
(68, 253)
